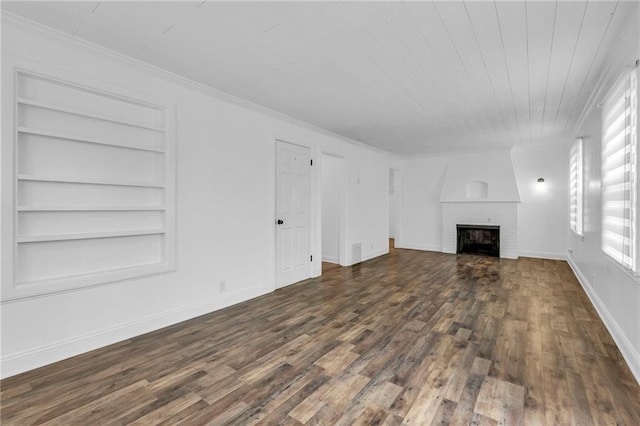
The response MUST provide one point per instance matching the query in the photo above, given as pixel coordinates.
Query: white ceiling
(407, 77)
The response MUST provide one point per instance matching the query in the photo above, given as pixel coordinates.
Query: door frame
(343, 212)
(397, 172)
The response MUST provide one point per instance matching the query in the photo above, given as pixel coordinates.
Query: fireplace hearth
(478, 239)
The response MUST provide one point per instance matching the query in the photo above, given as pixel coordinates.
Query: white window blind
(576, 185)
(619, 171)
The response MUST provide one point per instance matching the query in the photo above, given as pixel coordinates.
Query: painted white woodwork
(293, 209)
(73, 198)
(408, 77)
(504, 215)
(333, 184)
(576, 187)
(394, 198)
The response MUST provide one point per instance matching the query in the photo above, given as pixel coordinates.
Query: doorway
(333, 176)
(394, 176)
(293, 213)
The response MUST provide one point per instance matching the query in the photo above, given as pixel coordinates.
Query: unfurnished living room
(331, 212)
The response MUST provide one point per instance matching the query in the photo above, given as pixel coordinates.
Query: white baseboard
(630, 355)
(37, 357)
(542, 255)
(331, 259)
(410, 246)
(373, 254)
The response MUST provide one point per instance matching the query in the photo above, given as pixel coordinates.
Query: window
(576, 186)
(93, 186)
(619, 171)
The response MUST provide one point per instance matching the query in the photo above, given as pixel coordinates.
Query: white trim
(37, 357)
(542, 255)
(373, 254)
(331, 259)
(343, 238)
(423, 247)
(49, 32)
(630, 355)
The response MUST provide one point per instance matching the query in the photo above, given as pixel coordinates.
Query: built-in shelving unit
(93, 186)
(87, 235)
(75, 111)
(87, 181)
(67, 136)
(85, 209)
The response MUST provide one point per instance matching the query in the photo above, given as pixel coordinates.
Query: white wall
(225, 208)
(332, 187)
(421, 212)
(542, 217)
(614, 293)
(542, 214)
(493, 168)
(368, 202)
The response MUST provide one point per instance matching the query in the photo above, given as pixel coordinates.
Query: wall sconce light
(540, 181)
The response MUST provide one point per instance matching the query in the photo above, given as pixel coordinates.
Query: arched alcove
(477, 189)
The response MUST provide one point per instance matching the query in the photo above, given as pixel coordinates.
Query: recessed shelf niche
(477, 190)
(93, 187)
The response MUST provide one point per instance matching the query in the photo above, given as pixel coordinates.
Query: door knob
(280, 221)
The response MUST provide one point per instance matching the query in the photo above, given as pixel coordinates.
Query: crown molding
(49, 32)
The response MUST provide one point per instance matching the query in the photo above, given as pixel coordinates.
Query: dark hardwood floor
(411, 337)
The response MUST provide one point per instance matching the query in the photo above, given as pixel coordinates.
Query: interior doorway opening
(334, 180)
(394, 176)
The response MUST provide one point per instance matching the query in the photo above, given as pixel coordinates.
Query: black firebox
(478, 239)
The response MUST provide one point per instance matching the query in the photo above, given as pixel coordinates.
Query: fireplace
(478, 239)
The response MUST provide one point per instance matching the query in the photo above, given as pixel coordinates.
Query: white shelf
(87, 209)
(87, 235)
(75, 111)
(60, 135)
(35, 178)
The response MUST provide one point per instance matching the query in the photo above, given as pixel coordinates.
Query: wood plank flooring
(408, 338)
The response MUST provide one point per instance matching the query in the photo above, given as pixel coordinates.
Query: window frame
(576, 187)
(625, 257)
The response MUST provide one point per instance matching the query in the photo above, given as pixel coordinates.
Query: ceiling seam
(546, 89)
(593, 60)
(484, 65)
(355, 18)
(573, 54)
(506, 66)
(455, 49)
(434, 86)
(426, 39)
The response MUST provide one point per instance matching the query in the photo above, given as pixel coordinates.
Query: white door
(293, 213)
